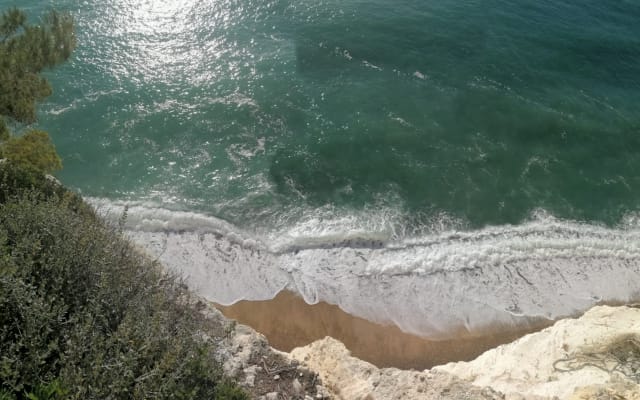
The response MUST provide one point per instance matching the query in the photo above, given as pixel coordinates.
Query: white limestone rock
(595, 349)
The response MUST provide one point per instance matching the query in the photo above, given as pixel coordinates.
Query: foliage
(33, 150)
(84, 315)
(25, 51)
(4, 131)
(16, 181)
(50, 391)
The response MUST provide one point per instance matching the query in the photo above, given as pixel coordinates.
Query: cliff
(596, 356)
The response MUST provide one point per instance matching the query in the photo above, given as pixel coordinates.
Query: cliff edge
(596, 356)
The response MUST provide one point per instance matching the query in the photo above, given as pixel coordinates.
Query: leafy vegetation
(33, 150)
(82, 310)
(25, 51)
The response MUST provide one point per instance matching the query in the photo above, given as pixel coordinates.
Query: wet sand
(288, 322)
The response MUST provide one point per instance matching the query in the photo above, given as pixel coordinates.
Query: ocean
(439, 165)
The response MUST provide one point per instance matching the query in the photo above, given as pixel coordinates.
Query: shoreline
(287, 322)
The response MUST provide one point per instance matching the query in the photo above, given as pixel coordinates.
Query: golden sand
(288, 322)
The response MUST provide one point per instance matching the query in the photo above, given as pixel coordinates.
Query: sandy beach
(289, 322)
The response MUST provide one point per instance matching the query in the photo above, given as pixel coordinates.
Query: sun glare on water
(152, 41)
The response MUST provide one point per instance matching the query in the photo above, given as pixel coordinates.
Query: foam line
(431, 284)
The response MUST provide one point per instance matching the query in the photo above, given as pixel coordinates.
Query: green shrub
(32, 151)
(15, 181)
(50, 391)
(26, 50)
(4, 135)
(81, 308)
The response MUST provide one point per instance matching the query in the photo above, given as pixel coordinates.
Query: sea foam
(434, 284)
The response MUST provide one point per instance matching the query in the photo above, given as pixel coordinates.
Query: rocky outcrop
(598, 352)
(264, 372)
(596, 356)
(611, 391)
(353, 379)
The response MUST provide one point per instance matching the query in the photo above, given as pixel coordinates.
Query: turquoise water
(485, 110)
(364, 126)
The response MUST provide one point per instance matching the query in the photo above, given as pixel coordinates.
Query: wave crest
(432, 284)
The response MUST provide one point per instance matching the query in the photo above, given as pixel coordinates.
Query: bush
(32, 151)
(4, 134)
(81, 309)
(15, 181)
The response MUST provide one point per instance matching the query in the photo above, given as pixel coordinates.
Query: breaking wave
(435, 284)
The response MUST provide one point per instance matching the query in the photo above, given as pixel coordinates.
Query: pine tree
(25, 51)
